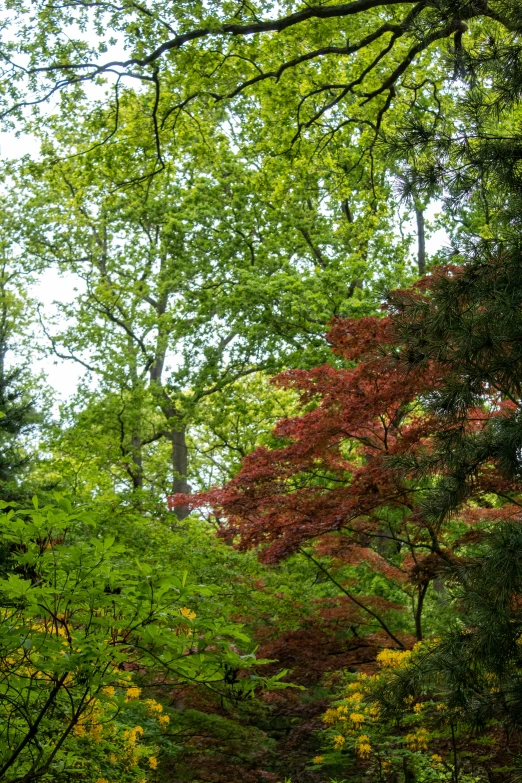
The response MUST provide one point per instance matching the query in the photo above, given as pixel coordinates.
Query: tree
(420, 429)
(210, 273)
(84, 630)
(18, 390)
(224, 51)
(334, 480)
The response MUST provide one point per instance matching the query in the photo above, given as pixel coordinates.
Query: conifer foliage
(18, 416)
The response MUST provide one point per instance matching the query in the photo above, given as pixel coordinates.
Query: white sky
(63, 376)
(439, 238)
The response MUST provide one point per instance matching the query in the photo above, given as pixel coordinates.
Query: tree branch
(352, 598)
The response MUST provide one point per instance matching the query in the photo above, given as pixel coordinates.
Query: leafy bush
(84, 632)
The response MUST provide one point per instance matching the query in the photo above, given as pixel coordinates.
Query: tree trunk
(179, 456)
(136, 472)
(421, 240)
(418, 611)
(409, 772)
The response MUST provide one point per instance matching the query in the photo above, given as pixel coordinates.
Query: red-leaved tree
(351, 479)
(376, 474)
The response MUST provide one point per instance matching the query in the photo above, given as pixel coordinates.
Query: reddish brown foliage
(347, 486)
(334, 473)
(353, 471)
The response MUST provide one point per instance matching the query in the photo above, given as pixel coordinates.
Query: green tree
(18, 388)
(84, 629)
(232, 53)
(214, 270)
(87, 455)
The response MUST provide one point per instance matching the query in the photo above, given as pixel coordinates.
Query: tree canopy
(274, 534)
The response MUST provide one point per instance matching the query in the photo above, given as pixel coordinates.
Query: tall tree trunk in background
(408, 770)
(136, 471)
(179, 468)
(421, 240)
(177, 436)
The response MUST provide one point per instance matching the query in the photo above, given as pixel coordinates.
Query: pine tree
(18, 414)
(18, 418)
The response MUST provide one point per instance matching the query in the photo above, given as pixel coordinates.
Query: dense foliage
(274, 535)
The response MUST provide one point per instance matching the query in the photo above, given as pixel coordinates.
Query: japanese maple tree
(333, 480)
(358, 475)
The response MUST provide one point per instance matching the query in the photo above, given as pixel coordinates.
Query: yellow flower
(97, 732)
(375, 710)
(436, 758)
(153, 706)
(187, 613)
(79, 730)
(339, 742)
(113, 758)
(393, 659)
(109, 690)
(133, 693)
(318, 759)
(362, 746)
(102, 780)
(357, 718)
(418, 740)
(330, 716)
(418, 707)
(153, 762)
(164, 720)
(131, 735)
